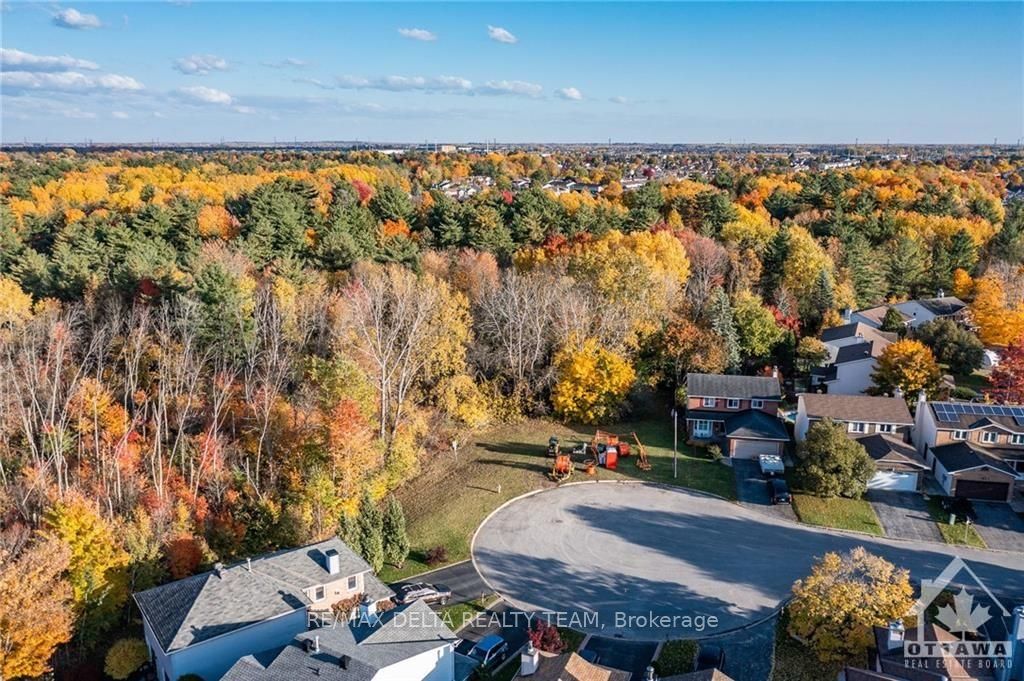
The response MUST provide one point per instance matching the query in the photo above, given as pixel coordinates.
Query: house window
(351, 582)
(733, 404)
(857, 427)
(319, 593)
(757, 404)
(702, 428)
(989, 438)
(708, 402)
(886, 428)
(959, 434)
(1017, 439)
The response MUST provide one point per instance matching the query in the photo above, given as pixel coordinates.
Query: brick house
(741, 412)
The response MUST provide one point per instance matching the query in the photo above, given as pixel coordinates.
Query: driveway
(999, 526)
(611, 555)
(904, 515)
(752, 489)
(617, 653)
(462, 578)
(749, 652)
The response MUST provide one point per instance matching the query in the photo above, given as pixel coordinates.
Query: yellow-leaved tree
(834, 608)
(908, 365)
(997, 323)
(592, 382)
(35, 613)
(97, 567)
(15, 304)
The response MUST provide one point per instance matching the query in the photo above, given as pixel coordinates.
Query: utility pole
(675, 442)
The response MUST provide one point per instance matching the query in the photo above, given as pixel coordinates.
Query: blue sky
(572, 71)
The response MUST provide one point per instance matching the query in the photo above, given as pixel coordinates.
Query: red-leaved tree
(1007, 379)
(545, 637)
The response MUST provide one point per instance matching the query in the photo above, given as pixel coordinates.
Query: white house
(407, 643)
(880, 424)
(927, 309)
(853, 353)
(204, 623)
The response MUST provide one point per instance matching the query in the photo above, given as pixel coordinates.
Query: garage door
(751, 449)
(893, 480)
(972, 489)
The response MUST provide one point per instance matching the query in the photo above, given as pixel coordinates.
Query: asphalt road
(462, 578)
(609, 556)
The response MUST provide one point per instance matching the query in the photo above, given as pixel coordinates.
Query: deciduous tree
(830, 464)
(908, 365)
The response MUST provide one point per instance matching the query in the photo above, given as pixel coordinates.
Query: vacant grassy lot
(459, 615)
(451, 496)
(960, 534)
(844, 514)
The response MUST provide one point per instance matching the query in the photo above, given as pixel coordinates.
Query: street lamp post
(675, 442)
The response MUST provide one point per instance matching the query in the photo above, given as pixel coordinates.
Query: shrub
(125, 657)
(545, 637)
(830, 464)
(715, 452)
(436, 556)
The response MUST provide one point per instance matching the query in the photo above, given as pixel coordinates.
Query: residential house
(741, 411)
(873, 316)
(974, 450)
(407, 643)
(927, 309)
(204, 623)
(853, 352)
(537, 665)
(880, 424)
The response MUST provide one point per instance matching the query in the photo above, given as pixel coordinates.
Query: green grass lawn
(571, 638)
(959, 534)
(458, 615)
(676, 657)
(796, 662)
(977, 381)
(844, 514)
(451, 496)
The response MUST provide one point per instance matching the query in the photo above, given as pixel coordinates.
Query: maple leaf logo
(963, 617)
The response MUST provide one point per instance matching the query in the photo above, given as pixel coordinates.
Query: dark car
(421, 591)
(710, 656)
(961, 507)
(778, 491)
(490, 651)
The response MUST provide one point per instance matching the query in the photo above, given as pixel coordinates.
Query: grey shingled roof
(400, 634)
(854, 329)
(892, 452)
(199, 607)
(959, 456)
(753, 424)
(858, 351)
(947, 305)
(737, 387)
(863, 408)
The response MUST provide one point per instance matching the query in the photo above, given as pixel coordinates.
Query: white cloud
(72, 18)
(569, 93)
(120, 115)
(205, 95)
(418, 34)
(510, 87)
(501, 35)
(200, 64)
(313, 81)
(16, 60)
(450, 85)
(618, 99)
(77, 113)
(286, 63)
(67, 81)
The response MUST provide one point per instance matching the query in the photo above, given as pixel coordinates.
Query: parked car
(771, 465)
(710, 656)
(490, 651)
(421, 591)
(778, 491)
(961, 507)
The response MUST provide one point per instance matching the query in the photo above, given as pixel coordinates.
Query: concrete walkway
(619, 558)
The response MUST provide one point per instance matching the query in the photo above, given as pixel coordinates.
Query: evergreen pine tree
(369, 529)
(893, 321)
(720, 318)
(396, 540)
(863, 268)
(774, 263)
(905, 267)
(963, 254)
(347, 532)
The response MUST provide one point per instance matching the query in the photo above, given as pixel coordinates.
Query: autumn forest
(207, 356)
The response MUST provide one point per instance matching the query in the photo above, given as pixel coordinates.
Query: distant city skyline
(762, 72)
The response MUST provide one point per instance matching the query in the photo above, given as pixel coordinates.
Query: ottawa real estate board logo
(968, 617)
